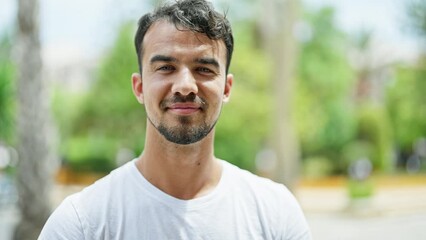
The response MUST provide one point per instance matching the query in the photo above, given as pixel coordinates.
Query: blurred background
(329, 98)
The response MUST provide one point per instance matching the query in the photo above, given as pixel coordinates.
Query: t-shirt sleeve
(295, 225)
(63, 224)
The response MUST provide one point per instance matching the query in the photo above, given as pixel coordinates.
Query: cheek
(213, 90)
(153, 94)
(156, 90)
(213, 94)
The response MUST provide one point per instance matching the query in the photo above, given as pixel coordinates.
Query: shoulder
(262, 190)
(105, 194)
(276, 205)
(256, 185)
(114, 183)
(64, 223)
(74, 217)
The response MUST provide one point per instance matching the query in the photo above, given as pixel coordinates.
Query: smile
(183, 108)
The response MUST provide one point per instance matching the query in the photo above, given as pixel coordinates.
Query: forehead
(164, 38)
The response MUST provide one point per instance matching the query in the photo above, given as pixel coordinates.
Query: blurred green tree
(416, 16)
(324, 106)
(374, 129)
(7, 91)
(373, 123)
(406, 98)
(109, 118)
(407, 106)
(243, 127)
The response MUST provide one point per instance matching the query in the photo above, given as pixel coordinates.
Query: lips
(184, 108)
(184, 105)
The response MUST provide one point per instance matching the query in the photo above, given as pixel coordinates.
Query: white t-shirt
(124, 205)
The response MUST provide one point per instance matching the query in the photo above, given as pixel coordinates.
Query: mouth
(183, 108)
(184, 105)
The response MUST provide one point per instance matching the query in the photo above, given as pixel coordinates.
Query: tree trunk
(277, 25)
(36, 156)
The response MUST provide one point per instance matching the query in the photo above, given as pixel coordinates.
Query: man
(177, 188)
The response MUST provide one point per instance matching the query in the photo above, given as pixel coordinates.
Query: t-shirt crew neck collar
(176, 203)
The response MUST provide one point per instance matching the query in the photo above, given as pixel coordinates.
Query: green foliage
(66, 107)
(324, 110)
(7, 92)
(111, 107)
(91, 153)
(356, 150)
(109, 111)
(317, 167)
(407, 105)
(243, 125)
(360, 189)
(374, 127)
(330, 123)
(416, 12)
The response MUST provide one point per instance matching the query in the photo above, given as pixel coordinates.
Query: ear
(137, 87)
(228, 87)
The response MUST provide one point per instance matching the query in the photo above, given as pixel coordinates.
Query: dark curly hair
(195, 15)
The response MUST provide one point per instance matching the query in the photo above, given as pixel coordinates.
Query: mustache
(178, 98)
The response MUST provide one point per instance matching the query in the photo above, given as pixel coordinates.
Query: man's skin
(191, 66)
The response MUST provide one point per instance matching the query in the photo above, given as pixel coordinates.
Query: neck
(182, 171)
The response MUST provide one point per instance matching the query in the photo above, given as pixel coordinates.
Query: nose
(185, 83)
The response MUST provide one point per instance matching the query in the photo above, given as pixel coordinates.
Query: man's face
(183, 83)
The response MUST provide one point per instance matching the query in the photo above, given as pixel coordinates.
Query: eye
(204, 70)
(166, 68)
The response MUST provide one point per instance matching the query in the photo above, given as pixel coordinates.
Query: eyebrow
(162, 58)
(208, 61)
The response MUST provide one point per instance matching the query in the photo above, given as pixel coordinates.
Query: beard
(185, 133)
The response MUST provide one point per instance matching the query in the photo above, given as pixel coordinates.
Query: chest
(225, 218)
